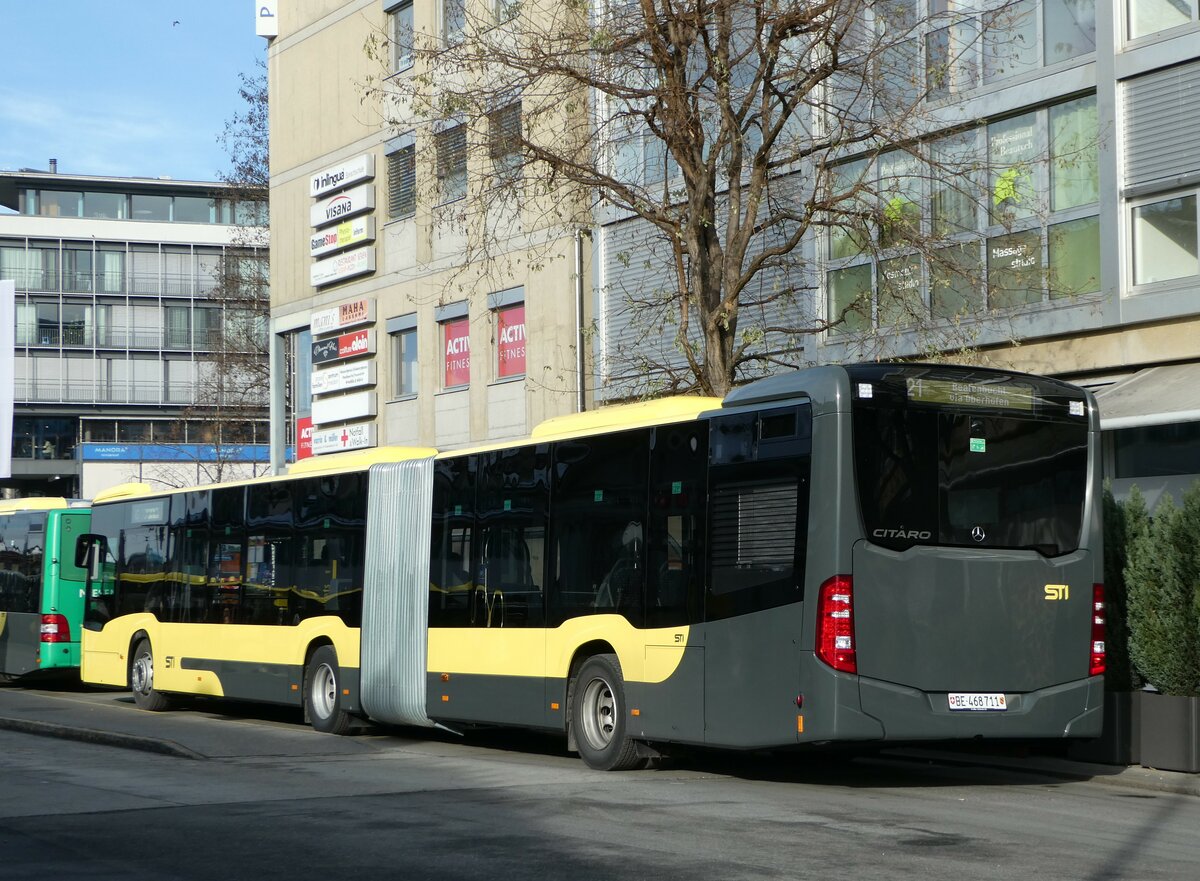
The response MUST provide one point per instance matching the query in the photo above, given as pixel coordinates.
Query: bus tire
(323, 693)
(598, 716)
(141, 679)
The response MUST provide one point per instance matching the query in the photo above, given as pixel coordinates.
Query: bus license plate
(977, 701)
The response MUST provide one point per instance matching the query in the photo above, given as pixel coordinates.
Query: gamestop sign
(510, 341)
(457, 350)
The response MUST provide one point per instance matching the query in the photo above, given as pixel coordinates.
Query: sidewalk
(110, 718)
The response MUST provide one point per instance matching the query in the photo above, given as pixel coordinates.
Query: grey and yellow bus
(41, 589)
(867, 553)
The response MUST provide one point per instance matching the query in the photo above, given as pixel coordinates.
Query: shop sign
(337, 176)
(358, 405)
(351, 232)
(348, 345)
(343, 205)
(346, 437)
(343, 377)
(510, 341)
(304, 431)
(342, 266)
(360, 311)
(457, 336)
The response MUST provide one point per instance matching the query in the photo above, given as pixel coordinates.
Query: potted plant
(1118, 742)
(1162, 572)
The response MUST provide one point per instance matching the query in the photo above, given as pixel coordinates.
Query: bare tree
(233, 368)
(757, 143)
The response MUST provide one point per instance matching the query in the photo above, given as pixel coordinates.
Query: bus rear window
(940, 476)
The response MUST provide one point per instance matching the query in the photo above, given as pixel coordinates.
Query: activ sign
(346, 437)
(343, 205)
(343, 377)
(350, 232)
(342, 266)
(348, 345)
(342, 175)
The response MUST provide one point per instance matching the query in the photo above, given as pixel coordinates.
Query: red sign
(510, 341)
(351, 344)
(304, 431)
(457, 349)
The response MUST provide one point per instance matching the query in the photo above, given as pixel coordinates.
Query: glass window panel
(1152, 16)
(898, 79)
(899, 197)
(951, 64)
(844, 240)
(26, 324)
(144, 269)
(1014, 269)
(1075, 257)
(41, 268)
(77, 270)
(849, 292)
(177, 272)
(77, 324)
(955, 281)
(504, 139)
(1013, 147)
(47, 324)
(402, 182)
(956, 196)
(452, 162)
(110, 271)
(151, 207)
(1074, 154)
(56, 204)
(112, 206)
(901, 302)
(195, 209)
(405, 344)
(1070, 28)
(1164, 240)
(454, 20)
(402, 37)
(1010, 40)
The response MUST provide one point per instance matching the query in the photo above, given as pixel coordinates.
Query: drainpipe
(580, 389)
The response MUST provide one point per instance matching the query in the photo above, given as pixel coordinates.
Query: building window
(402, 181)
(151, 207)
(504, 140)
(510, 341)
(1152, 16)
(452, 163)
(402, 36)
(506, 10)
(404, 345)
(454, 21)
(1164, 239)
(456, 349)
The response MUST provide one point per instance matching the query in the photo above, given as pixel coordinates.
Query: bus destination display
(1011, 396)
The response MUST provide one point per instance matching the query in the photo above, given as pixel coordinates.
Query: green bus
(41, 588)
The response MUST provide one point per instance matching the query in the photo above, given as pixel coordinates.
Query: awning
(1155, 396)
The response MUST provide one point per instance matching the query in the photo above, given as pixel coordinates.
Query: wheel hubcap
(324, 691)
(143, 673)
(599, 713)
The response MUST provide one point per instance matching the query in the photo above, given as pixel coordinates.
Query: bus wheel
(598, 716)
(141, 680)
(323, 693)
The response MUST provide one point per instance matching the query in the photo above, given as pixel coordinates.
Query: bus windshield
(1004, 467)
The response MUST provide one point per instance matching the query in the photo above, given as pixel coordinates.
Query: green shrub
(1162, 577)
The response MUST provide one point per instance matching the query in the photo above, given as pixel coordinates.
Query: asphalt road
(276, 801)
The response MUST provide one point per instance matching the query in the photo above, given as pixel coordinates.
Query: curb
(104, 738)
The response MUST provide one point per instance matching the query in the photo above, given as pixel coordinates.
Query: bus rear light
(55, 629)
(1097, 665)
(835, 624)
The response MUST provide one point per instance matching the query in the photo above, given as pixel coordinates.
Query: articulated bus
(41, 589)
(871, 553)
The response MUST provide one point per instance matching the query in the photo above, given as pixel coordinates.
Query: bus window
(675, 536)
(452, 599)
(600, 497)
(513, 498)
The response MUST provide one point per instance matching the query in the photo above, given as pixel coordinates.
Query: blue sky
(116, 87)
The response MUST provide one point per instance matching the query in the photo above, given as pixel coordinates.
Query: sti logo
(1057, 592)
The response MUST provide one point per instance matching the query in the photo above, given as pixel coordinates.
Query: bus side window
(675, 540)
(451, 586)
(513, 501)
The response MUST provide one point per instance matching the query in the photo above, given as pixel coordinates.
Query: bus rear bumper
(1072, 709)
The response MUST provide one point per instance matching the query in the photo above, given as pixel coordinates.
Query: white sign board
(343, 377)
(346, 265)
(266, 21)
(347, 437)
(342, 206)
(8, 338)
(334, 238)
(358, 405)
(337, 176)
